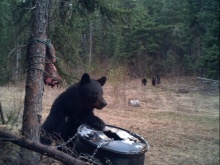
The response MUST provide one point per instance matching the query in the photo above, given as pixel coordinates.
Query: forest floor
(178, 119)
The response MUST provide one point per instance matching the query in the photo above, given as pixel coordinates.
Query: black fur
(154, 81)
(144, 81)
(75, 107)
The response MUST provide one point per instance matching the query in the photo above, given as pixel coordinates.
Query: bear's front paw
(96, 123)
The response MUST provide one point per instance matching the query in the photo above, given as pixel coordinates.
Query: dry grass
(180, 128)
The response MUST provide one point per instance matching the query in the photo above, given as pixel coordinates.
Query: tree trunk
(90, 43)
(34, 82)
(1, 114)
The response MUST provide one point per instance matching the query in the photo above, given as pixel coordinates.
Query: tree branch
(12, 51)
(40, 148)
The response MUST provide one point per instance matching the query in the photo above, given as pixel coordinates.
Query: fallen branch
(208, 80)
(40, 148)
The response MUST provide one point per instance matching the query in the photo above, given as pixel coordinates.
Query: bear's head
(91, 92)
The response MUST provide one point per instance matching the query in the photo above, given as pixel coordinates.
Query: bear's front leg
(95, 122)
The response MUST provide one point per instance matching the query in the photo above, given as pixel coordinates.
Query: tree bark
(34, 82)
(1, 114)
(90, 43)
(40, 148)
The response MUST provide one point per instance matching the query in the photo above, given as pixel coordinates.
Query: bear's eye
(95, 94)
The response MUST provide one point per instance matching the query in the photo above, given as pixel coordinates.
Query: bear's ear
(102, 80)
(85, 79)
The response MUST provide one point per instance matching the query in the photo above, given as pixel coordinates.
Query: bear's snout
(100, 103)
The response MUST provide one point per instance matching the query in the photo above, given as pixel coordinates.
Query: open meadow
(179, 119)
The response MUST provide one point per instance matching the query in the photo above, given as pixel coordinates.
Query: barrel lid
(114, 139)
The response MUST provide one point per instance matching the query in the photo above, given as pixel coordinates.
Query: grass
(174, 138)
(181, 129)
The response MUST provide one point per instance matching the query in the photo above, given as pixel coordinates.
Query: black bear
(74, 107)
(144, 81)
(154, 81)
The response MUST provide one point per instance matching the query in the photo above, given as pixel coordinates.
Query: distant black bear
(154, 81)
(74, 107)
(144, 81)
